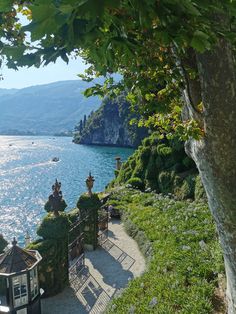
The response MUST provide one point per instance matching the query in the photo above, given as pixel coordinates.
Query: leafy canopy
(147, 42)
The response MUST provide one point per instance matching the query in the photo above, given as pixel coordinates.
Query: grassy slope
(185, 261)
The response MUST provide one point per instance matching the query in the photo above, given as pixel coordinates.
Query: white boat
(55, 159)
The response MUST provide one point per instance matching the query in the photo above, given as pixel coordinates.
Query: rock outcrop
(109, 125)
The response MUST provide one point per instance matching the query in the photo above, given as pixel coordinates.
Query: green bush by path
(162, 166)
(199, 192)
(136, 183)
(180, 241)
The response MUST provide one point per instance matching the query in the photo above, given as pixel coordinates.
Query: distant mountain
(45, 109)
(7, 91)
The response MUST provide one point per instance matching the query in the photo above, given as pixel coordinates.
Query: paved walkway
(108, 269)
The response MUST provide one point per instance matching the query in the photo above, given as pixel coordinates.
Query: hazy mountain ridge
(45, 109)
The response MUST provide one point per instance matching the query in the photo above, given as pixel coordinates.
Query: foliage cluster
(88, 209)
(61, 206)
(87, 203)
(3, 243)
(73, 215)
(53, 270)
(136, 182)
(180, 242)
(54, 227)
(160, 165)
(149, 44)
(53, 244)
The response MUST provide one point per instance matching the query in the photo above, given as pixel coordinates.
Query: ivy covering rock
(161, 166)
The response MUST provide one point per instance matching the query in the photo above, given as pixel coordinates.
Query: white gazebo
(19, 285)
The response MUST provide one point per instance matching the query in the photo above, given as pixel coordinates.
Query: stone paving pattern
(108, 270)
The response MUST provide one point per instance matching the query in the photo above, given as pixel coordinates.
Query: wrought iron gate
(103, 229)
(76, 247)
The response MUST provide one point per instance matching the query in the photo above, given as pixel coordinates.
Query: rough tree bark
(215, 153)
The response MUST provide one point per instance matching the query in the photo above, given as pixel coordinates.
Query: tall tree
(84, 121)
(167, 51)
(80, 127)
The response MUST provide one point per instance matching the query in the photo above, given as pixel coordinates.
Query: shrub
(186, 190)
(153, 158)
(53, 269)
(146, 142)
(164, 150)
(159, 163)
(116, 172)
(73, 215)
(188, 162)
(165, 181)
(54, 227)
(3, 243)
(139, 170)
(136, 183)
(150, 172)
(199, 192)
(88, 207)
(61, 206)
(87, 202)
(145, 153)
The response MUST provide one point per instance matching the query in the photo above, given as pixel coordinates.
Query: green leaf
(6, 5)
(200, 41)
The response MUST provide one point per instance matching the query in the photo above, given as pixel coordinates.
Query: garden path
(108, 269)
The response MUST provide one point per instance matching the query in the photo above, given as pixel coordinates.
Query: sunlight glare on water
(27, 173)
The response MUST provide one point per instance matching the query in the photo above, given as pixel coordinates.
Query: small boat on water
(55, 159)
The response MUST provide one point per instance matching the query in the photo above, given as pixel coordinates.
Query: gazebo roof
(17, 259)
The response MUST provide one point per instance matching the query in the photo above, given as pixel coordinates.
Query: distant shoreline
(35, 134)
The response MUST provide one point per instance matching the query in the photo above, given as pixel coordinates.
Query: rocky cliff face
(109, 125)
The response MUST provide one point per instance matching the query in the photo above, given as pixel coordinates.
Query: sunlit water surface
(27, 173)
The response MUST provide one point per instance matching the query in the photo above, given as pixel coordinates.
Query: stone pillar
(118, 163)
(88, 205)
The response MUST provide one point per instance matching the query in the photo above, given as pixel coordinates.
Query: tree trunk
(215, 154)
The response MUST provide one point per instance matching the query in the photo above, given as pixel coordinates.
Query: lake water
(27, 173)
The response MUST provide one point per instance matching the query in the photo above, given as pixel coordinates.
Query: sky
(59, 71)
(24, 77)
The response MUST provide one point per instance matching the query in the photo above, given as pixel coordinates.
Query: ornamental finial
(89, 183)
(14, 242)
(55, 199)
